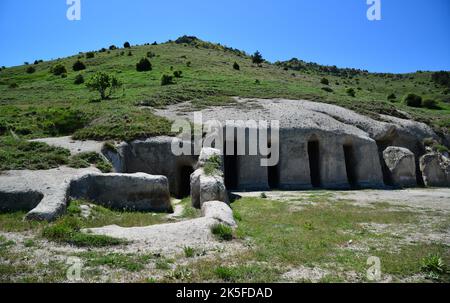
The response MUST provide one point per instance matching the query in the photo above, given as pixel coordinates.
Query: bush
(223, 232)
(177, 73)
(430, 104)
(79, 79)
(143, 65)
(351, 92)
(151, 54)
(78, 65)
(112, 47)
(58, 70)
(62, 121)
(433, 265)
(391, 97)
(188, 64)
(90, 55)
(257, 58)
(236, 66)
(327, 89)
(130, 54)
(441, 78)
(213, 166)
(412, 100)
(30, 70)
(324, 81)
(166, 80)
(104, 83)
(126, 45)
(13, 85)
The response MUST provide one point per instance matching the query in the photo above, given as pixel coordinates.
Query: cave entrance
(184, 181)
(273, 173)
(231, 167)
(350, 165)
(314, 162)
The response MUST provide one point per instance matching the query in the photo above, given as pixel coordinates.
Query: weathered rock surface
(175, 236)
(207, 188)
(135, 192)
(45, 194)
(435, 170)
(74, 146)
(402, 166)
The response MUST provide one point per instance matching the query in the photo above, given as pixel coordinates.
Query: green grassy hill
(40, 104)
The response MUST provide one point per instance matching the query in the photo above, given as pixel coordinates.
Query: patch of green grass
(18, 154)
(87, 159)
(213, 165)
(29, 243)
(189, 252)
(189, 212)
(434, 265)
(163, 264)
(222, 232)
(129, 262)
(67, 230)
(14, 222)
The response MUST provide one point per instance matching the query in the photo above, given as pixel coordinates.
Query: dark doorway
(184, 181)
(273, 174)
(350, 165)
(231, 167)
(314, 162)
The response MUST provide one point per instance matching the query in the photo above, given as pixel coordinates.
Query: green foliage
(90, 55)
(143, 65)
(324, 81)
(434, 265)
(103, 83)
(257, 58)
(58, 70)
(327, 89)
(16, 154)
(351, 92)
(177, 74)
(84, 160)
(412, 100)
(430, 104)
(189, 252)
(150, 54)
(67, 230)
(222, 232)
(30, 70)
(62, 121)
(112, 47)
(263, 196)
(391, 97)
(78, 65)
(236, 66)
(126, 45)
(213, 165)
(166, 80)
(441, 78)
(79, 79)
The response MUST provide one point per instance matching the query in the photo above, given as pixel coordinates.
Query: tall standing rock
(435, 170)
(402, 166)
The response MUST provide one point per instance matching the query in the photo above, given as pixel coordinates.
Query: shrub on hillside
(257, 58)
(90, 55)
(112, 47)
(236, 66)
(441, 78)
(126, 45)
(103, 83)
(391, 97)
(351, 92)
(79, 79)
(327, 89)
(78, 65)
(30, 70)
(430, 104)
(151, 54)
(143, 65)
(166, 80)
(58, 70)
(177, 74)
(130, 54)
(412, 100)
(324, 81)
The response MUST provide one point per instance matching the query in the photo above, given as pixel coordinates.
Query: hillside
(36, 103)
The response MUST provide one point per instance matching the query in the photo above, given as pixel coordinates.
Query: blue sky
(412, 35)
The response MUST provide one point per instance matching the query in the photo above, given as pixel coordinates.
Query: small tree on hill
(78, 65)
(257, 58)
(143, 65)
(126, 45)
(104, 83)
(236, 66)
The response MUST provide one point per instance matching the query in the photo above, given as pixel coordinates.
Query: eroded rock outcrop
(402, 166)
(435, 170)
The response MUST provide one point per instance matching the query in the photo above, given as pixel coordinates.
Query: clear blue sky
(412, 35)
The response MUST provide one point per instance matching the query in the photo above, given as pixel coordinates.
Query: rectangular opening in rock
(184, 181)
(273, 173)
(314, 162)
(350, 165)
(231, 167)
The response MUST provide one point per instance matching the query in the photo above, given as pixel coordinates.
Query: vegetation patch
(84, 160)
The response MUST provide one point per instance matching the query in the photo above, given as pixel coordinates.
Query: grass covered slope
(34, 102)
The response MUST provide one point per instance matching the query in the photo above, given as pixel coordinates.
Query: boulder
(435, 170)
(207, 188)
(207, 153)
(219, 211)
(136, 192)
(401, 165)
